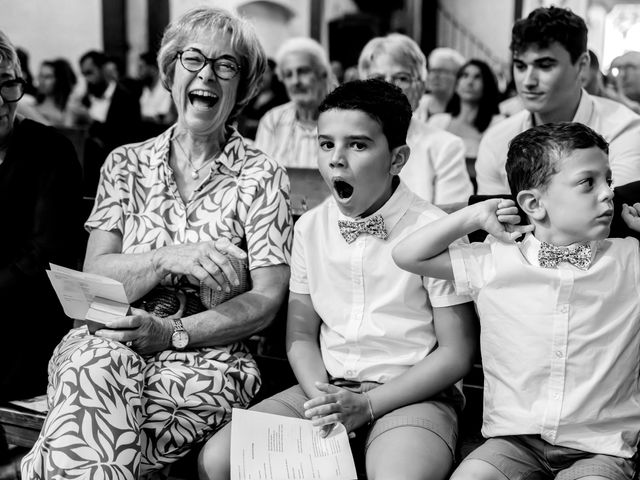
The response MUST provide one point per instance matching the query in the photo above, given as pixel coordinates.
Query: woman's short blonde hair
(316, 53)
(398, 46)
(205, 22)
(8, 54)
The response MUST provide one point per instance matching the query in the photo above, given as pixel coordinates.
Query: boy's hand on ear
(338, 405)
(631, 216)
(499, 217)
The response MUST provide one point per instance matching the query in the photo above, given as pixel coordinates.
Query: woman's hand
(205, 262)
(499, 217)
(147, 333)
(338, 405)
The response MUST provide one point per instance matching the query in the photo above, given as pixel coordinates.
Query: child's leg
(502, 458)
(214, 458)
(413, 442)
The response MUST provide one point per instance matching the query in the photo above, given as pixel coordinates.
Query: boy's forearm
(307, 364)
(434, 238)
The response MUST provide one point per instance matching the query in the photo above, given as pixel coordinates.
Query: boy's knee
(476, 470)
(214, 458)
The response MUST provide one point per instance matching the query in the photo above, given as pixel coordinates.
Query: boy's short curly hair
(534, 154)
(382, 101)
(546, 25)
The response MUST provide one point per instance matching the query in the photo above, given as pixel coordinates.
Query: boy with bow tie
(362, 333)
(559, 312)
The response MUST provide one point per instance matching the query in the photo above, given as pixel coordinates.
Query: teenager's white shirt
(436, 169)
(560, 346)
(616, 123)
(377, 319)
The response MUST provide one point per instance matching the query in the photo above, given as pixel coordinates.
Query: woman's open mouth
(202, 98)
(343, 189)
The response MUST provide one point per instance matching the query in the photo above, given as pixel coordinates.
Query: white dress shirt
(377, 319)
(560, 346)
(99, 106)
(615, 122)
(436, 169)
(281, 136)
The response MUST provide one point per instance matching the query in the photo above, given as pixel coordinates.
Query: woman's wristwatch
(180, 337)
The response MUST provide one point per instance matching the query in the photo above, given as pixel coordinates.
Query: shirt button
(357, 281)
(564, 308)
(559, 354)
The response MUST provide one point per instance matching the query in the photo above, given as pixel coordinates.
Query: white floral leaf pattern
(113, 413)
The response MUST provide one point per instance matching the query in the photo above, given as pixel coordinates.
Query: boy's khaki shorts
(437, 415)
(521, 457)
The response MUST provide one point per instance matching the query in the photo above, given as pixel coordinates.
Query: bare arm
(456, 330)
(139, 273)
(233, 320)
(303, 348)
(424, 252)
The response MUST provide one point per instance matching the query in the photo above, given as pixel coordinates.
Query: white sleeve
(298, 282)
(472, 266)
(452, 183)
(624, 154)
(488, 175)
(266, 134)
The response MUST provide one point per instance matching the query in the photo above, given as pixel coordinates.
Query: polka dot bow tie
(373, 226)
(549, 256)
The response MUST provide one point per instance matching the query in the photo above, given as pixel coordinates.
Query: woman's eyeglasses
(401, 80)
(193, 60)
(12, 90)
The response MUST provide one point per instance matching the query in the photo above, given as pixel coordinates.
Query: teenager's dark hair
(382, 101)
(488, 104)
(545, 26)
(534, 154)
(65, 80)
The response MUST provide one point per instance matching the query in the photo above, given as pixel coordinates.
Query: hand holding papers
(85, 296)
(272, 447)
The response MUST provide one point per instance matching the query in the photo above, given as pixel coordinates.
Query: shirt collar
(229, 161)
(392, 211)
(530, 247)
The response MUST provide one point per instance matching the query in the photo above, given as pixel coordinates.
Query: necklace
(194, 171)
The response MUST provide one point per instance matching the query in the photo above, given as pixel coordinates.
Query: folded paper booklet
(89, 297)
(272, 447)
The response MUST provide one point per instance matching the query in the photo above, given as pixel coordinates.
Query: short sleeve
(472, 266)
(442, 293)
(299, 281)
(108, 210)
(268, 226)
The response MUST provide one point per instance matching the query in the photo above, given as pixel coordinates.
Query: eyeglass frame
(211, 61)
(397, 81)
(20, 81)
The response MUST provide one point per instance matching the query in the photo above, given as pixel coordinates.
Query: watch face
(179, 339)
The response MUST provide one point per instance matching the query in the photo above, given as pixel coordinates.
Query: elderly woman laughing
(173, 217)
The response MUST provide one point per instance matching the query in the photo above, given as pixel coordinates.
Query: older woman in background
(436, 167)
(170, 216)
(289, 132)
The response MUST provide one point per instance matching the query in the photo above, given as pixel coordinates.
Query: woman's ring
(129, 343)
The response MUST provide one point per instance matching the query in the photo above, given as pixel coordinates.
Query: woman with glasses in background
(174, 216)
(436, 168)
(289, 132)
(40, 200)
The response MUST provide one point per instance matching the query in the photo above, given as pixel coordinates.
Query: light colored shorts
(528, 457)
(437, 415)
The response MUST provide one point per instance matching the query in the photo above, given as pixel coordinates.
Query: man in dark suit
(112, 111)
